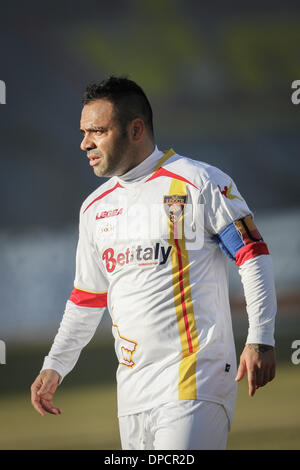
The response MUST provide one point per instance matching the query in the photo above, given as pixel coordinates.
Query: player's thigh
(191, 425)
(129, 427)
(133, 432)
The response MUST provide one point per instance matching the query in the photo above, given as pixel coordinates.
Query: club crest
(174, 206)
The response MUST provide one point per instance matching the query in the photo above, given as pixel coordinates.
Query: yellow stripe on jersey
(187, 387)
(164, 158)
(89, 291)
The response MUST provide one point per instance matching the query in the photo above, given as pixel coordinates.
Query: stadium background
(219, 80)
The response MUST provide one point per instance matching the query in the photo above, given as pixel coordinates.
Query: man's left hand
(260, 363)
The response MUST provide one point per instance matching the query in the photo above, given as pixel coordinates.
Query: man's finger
(251, 381)
(50, 408)
(46, 396)
(35, 400)
(267, 376)
(261, 376)
(241, 371)
(37, 406)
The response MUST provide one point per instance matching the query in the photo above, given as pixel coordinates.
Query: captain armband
(241, 241)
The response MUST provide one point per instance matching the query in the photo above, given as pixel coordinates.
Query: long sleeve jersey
(153, 248)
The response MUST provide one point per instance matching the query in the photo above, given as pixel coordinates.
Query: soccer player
(153, 247)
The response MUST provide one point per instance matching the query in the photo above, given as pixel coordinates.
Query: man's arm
(83, 313)
(258, 356)
(242, 242)
(230, 221)
(77, 328)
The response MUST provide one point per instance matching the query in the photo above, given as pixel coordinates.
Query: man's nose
(87, 143)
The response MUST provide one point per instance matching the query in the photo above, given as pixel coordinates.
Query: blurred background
(219, 80)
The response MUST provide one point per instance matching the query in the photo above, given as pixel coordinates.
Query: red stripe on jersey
(181, 287)
(103, 195)
(88, 299)
(163, 172)
(251, 250)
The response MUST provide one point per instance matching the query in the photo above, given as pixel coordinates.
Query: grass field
(269, 420)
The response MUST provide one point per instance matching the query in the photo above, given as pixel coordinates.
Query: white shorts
(184, 425)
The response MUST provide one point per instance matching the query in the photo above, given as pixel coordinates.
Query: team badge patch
(174, 206)
(248, 230)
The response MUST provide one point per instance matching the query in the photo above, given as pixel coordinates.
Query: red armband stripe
(251, 250)
(88, 299)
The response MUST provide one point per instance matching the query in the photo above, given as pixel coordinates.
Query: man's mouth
(94, 159)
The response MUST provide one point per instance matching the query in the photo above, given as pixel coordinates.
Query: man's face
(107, 147)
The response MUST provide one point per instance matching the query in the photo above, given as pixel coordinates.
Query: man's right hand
(42, 391)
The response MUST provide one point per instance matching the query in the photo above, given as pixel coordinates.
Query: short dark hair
(128, 98)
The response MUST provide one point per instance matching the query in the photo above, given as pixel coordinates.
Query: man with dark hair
(127, 97)
(153, 246)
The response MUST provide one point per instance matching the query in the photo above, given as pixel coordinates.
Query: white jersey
(147, 250)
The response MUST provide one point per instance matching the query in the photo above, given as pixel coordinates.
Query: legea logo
(111, 213)
(2, 92)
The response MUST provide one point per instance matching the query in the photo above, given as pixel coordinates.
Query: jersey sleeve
(230, 221)
(260, 295)
(223, 204)
(84, 309)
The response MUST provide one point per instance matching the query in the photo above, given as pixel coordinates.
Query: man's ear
(137, 129)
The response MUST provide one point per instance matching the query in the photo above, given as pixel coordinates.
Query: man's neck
(140, 157)
(144, 167)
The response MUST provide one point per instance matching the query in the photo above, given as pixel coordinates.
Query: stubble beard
(113, 163)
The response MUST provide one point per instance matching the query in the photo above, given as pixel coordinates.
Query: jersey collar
(143, 169)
